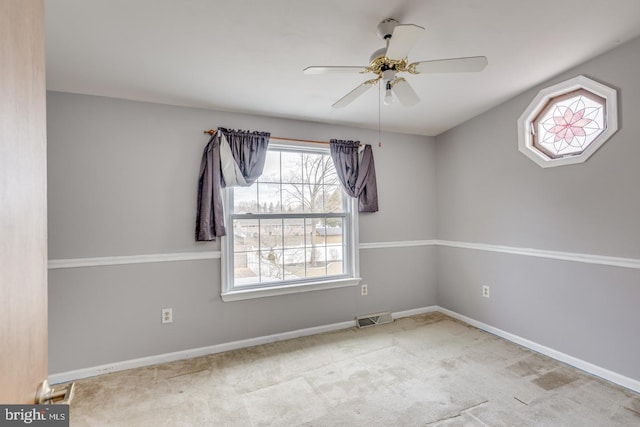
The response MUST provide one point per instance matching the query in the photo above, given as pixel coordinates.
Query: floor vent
(374, 319)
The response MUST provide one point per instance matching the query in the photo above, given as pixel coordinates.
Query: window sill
(238, 295)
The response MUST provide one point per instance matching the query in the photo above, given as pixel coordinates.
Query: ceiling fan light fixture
(388, 75)
(388, 95)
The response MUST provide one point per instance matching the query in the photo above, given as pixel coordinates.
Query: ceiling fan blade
(351, 96)
(455, 65)
(333, 70)
(404, 92)
(403, 39)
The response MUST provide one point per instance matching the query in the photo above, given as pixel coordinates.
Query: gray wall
(123, 181)
(488, 192)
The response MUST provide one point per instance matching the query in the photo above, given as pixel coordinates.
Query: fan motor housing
(381, 63)
(385, 28)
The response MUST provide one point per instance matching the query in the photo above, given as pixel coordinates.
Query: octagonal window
(568, 122)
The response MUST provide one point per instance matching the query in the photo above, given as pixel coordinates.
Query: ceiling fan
(388, 61)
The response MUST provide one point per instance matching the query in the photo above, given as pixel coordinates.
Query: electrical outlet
(485, 291)
(364, 290)
(167, 315)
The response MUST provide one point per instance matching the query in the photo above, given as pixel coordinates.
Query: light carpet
(426, 370)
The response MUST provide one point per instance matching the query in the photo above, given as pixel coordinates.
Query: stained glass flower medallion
(568, 126)
(568, 122)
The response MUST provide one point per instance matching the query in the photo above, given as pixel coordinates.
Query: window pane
(334, 260)
(294, 238)
(246, 268)
(315, 267)
(292, 198)
(333, 229)
(294, 235)
(315, 248)
(245, 199)
(271, 171)
(313, 195)
(270, 234)
(330, 174)
(334, 239)
(271, 265)
(291, 167)
(314, 167)
(246, 237)
(251, 274)
(269, 198)
(245, 234)
(294, 263)
(333, 200)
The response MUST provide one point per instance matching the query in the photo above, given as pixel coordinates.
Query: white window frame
(230, 293)
(540, 102)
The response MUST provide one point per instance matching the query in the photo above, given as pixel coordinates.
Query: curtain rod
(213, 131)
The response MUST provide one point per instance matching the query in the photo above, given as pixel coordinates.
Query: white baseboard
(195, 352)
(415, 312)
(79, 374)
(590, 368)
(219, 348)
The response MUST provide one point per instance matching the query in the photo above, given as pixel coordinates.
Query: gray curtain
(357, 176)
(249, 150)
(210, 216)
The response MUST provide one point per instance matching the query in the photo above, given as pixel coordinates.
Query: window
(293, 230)
(568, 122)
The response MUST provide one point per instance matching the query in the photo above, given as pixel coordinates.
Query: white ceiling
(248, 56)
